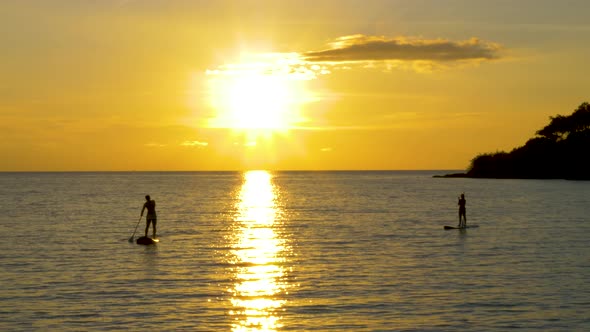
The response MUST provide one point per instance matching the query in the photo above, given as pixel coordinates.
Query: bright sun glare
(257, 97)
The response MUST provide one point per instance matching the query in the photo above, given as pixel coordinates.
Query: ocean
(292, 251)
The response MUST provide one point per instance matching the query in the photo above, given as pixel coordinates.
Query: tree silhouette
(561, 126)
(560, 150)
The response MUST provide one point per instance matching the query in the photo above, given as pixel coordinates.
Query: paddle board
(468, 226)
(146, 240)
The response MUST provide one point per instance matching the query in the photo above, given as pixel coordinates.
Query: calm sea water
(293, 251)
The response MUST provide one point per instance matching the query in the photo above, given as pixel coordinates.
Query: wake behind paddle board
(454, 227)
(146, 240)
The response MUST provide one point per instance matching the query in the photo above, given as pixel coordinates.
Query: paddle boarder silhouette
(462, 211)
(151, 217)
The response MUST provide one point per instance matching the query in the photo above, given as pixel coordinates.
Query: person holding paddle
(462, 211)
(151, 216)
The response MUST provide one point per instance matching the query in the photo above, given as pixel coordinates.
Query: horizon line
(229, 171)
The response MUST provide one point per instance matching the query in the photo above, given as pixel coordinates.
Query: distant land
(561, 150)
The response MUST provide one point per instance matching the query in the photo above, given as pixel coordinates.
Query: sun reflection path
(258, 257)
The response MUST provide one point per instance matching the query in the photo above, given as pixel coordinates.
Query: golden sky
(281, 84)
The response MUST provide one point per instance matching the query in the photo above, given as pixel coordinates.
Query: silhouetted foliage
(560, 150)
(561, 126)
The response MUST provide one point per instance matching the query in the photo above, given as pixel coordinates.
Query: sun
(255, 101)
(257, 98)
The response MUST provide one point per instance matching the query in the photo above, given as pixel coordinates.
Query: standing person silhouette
(462, 211)
(151, 216)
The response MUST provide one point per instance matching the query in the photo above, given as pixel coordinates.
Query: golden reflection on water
(257, 256)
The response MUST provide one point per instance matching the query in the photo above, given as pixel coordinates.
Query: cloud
(361, 48)
(287, 65)
(194, 143)
(155, 145)
(364, 52)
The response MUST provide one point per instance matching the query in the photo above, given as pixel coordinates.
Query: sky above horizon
(282, 85)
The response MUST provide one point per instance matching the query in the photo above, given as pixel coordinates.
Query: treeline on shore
(560, 150)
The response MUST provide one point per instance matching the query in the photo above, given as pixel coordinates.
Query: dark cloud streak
(367, 48)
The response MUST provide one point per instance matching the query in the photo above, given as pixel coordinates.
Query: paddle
(131, 238)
